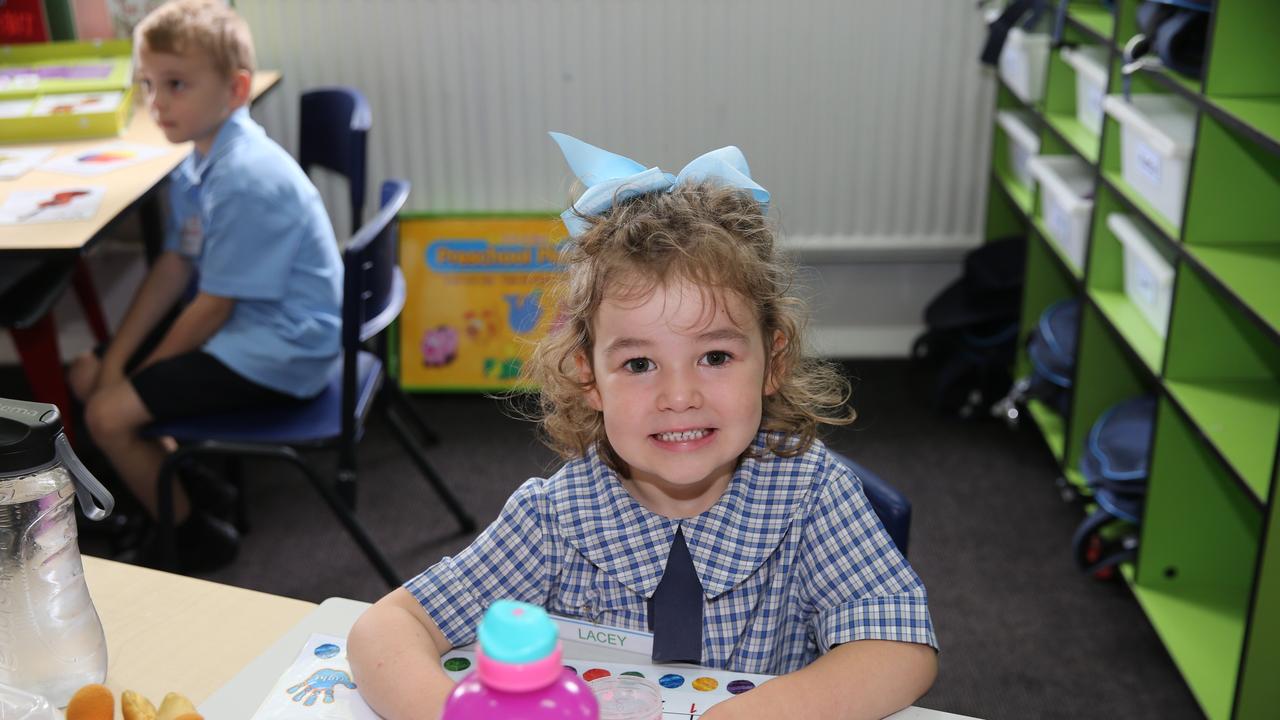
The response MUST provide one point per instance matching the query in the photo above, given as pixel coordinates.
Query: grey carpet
(1024, 634)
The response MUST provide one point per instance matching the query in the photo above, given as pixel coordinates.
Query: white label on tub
(1149, 161)
(1059, 224)
(1144, 285)
(1093, 100)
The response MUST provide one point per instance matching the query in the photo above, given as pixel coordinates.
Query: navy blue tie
(675, 611)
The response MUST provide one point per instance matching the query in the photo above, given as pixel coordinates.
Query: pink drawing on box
(439, 346)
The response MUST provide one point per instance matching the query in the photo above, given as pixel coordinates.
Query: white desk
(240, 697)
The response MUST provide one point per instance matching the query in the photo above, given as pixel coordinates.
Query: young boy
(264, 325)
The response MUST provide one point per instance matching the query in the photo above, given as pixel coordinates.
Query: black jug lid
(27, 433)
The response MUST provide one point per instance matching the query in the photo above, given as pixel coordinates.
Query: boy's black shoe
(208, 490)
(205, 543)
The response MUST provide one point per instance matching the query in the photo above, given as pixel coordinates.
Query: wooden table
(124, 187)
(169, 633)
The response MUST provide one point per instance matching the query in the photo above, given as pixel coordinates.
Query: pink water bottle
(518, 673)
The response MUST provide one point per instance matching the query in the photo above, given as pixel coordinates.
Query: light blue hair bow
(613, 178)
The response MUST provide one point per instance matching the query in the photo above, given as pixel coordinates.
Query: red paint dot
(595, 674)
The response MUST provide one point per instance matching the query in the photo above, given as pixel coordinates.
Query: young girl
(677, 389)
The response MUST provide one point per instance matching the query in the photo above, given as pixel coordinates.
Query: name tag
(191, 239)
(581, 632)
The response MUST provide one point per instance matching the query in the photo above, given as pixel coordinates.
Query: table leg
(83, 283)
(41, 362)
(151, 213)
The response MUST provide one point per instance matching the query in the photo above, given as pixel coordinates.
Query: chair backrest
(373, 288)
(333, 133)
(891, 506)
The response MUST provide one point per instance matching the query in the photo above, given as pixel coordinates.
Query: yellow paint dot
(705, 684)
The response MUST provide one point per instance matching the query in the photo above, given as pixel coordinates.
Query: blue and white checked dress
(793, 561)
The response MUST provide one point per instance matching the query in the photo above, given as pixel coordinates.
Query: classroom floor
(1024, 634)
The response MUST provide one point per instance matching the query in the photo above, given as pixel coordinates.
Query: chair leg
(235, 474)
(42, 363)
(464, 519)
(397, 398)
(166, 535)
(349, 521)
(89, 304)
(168, 547)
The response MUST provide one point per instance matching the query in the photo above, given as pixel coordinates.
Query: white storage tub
(1156, 136)
(1022, 63)
(1148, 277)
(1090, 64)
(1024, 143)
(1066, 200)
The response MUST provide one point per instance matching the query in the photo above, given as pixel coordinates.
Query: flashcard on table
(103, 158)
(317, 685)
(77, 103)
(687, 691)
(15, 162)
(71, 204)
(16, 108)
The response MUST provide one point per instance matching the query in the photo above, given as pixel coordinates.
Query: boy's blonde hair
(716, 238)
(206, 25)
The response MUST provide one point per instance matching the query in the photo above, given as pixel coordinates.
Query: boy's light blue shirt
(256, 229)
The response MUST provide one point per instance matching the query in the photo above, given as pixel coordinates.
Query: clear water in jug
(51, 640)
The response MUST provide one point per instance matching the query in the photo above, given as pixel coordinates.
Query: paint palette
(687, 691)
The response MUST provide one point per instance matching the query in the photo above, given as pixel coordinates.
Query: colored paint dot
(595, 674)
(633, 673)
(705, 684)
(456, 664)
(571, 669)
(327, 650)
(671, 681)
(737, 687)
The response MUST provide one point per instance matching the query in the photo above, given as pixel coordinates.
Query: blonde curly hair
(716, 238)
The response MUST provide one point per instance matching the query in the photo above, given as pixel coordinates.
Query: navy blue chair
(892, 507)
(333, 132)
(373, 296)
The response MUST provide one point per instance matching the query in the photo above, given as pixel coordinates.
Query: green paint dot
(633, 673)
(457, 664)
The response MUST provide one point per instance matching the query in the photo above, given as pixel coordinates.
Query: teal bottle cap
(517, 633)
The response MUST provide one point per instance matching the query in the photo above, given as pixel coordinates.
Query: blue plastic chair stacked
(373, 296)
(1115, 466)
(333, 133)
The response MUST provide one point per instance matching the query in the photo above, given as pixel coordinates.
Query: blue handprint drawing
(320, 682)
(523, 311)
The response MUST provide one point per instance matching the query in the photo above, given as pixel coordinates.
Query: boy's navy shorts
(197, 383)
(193, 383)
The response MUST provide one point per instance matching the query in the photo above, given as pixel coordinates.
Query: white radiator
(868, 120)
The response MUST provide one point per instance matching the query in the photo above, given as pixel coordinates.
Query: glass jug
(51, 640)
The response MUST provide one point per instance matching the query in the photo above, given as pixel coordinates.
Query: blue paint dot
(671, 681)
(327, 650)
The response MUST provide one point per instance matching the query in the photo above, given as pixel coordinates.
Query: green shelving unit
(1207, 574)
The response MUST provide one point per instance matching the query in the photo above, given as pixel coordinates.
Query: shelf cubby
(1196, 560)
(1047, 283)
(1225, 372)
(1170, 81)
(1112, 378)
(1110, 166)
(1105, 283)
(1232, 222)
(1059, 108)
(1259, 693)
(1093, 18)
